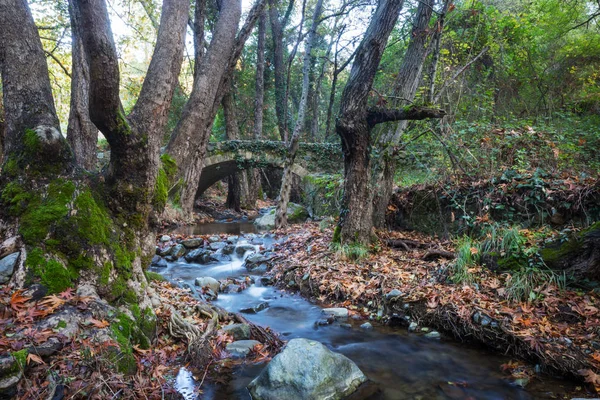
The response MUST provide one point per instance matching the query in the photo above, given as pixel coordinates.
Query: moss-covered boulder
(295, 214)
(578, 255)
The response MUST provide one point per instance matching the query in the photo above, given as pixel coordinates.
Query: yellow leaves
(51, 303)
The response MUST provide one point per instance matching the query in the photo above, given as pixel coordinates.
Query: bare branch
(379, 115)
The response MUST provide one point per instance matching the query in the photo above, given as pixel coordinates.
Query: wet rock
(485, 320)
(233, 239)
(346, 326)
(243, 248)
(207, 281)
(213, 239)
(10, 375)
(433, 335)
(238, 331)
(223, 257)
(241, 348)
(200, 256)
(178, 251)
(336, 312)
(193, 243)
(521, 382)
(228, 249)
(393, 294)
(366, 326)
(425, 329)
(254, 260)
(217, 245)
(232, 288)
(257, 241)
(306, 369)
(325, 321)
(159, 262)
(413, 327)
(165, 251)
(170, 258)
(266, 281)
(7, 266)
(165, 238)
(36, 291)
(256, 309)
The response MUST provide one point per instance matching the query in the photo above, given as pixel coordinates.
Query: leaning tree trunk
(82, 134)
(73, 228)
(409, 75)
(355, 122)
(287, 179)
(217, 71)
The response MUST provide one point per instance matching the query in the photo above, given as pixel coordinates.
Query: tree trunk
(187, 145)
(73, 228)
(252, 176)
(405, 88)
(286, 180)
(277, 28)
(355, 222)
(193, 168)
(234, 187)
(82, 134)
(2, 127)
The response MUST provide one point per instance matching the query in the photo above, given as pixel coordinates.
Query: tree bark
(193, 169)
(405, 88)
(287, 179)
(277, 27)
(253, 174)
(73, 227)
(234, 187)
(190, 137)
(355, 223)
(82, 134)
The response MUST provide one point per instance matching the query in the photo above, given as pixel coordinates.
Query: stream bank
(434, 368)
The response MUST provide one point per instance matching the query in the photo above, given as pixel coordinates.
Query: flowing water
(402, 365)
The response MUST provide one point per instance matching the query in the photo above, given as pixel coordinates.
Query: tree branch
(379, 115)
(460, 71)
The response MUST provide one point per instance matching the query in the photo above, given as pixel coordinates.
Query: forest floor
(410, 282)
(67, 346)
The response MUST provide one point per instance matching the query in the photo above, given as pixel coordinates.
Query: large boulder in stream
(307, 370)
(295, 214)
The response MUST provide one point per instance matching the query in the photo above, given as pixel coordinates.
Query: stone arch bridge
(227, 157)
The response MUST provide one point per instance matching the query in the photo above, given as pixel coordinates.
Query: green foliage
(509, 250)
(352, 251)
(153, 276)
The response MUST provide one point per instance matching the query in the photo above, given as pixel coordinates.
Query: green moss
(38, 212)
(31, 141)
(105, 273)
(161, 190)
(54, 275)
(127, 333)
(337, 235)
(122, 124)
(91, 220)
(21, 358)
(61, 324)
(153, 276)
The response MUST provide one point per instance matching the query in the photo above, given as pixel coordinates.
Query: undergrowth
(510, 251)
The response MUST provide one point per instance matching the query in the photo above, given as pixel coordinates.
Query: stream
(403, 365)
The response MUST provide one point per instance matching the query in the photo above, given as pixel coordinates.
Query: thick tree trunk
(73, 229)
(355, 222)
(286, 181)
(405, 88)
(82, 134)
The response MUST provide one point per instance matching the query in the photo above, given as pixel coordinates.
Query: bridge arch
(225, 158)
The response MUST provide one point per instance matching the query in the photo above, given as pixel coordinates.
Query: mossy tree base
(70, 238)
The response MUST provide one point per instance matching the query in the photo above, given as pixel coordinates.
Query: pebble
(413, 327)
(433, 335)
(366, 326)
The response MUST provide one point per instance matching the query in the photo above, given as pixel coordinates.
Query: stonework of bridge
(227, 157)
